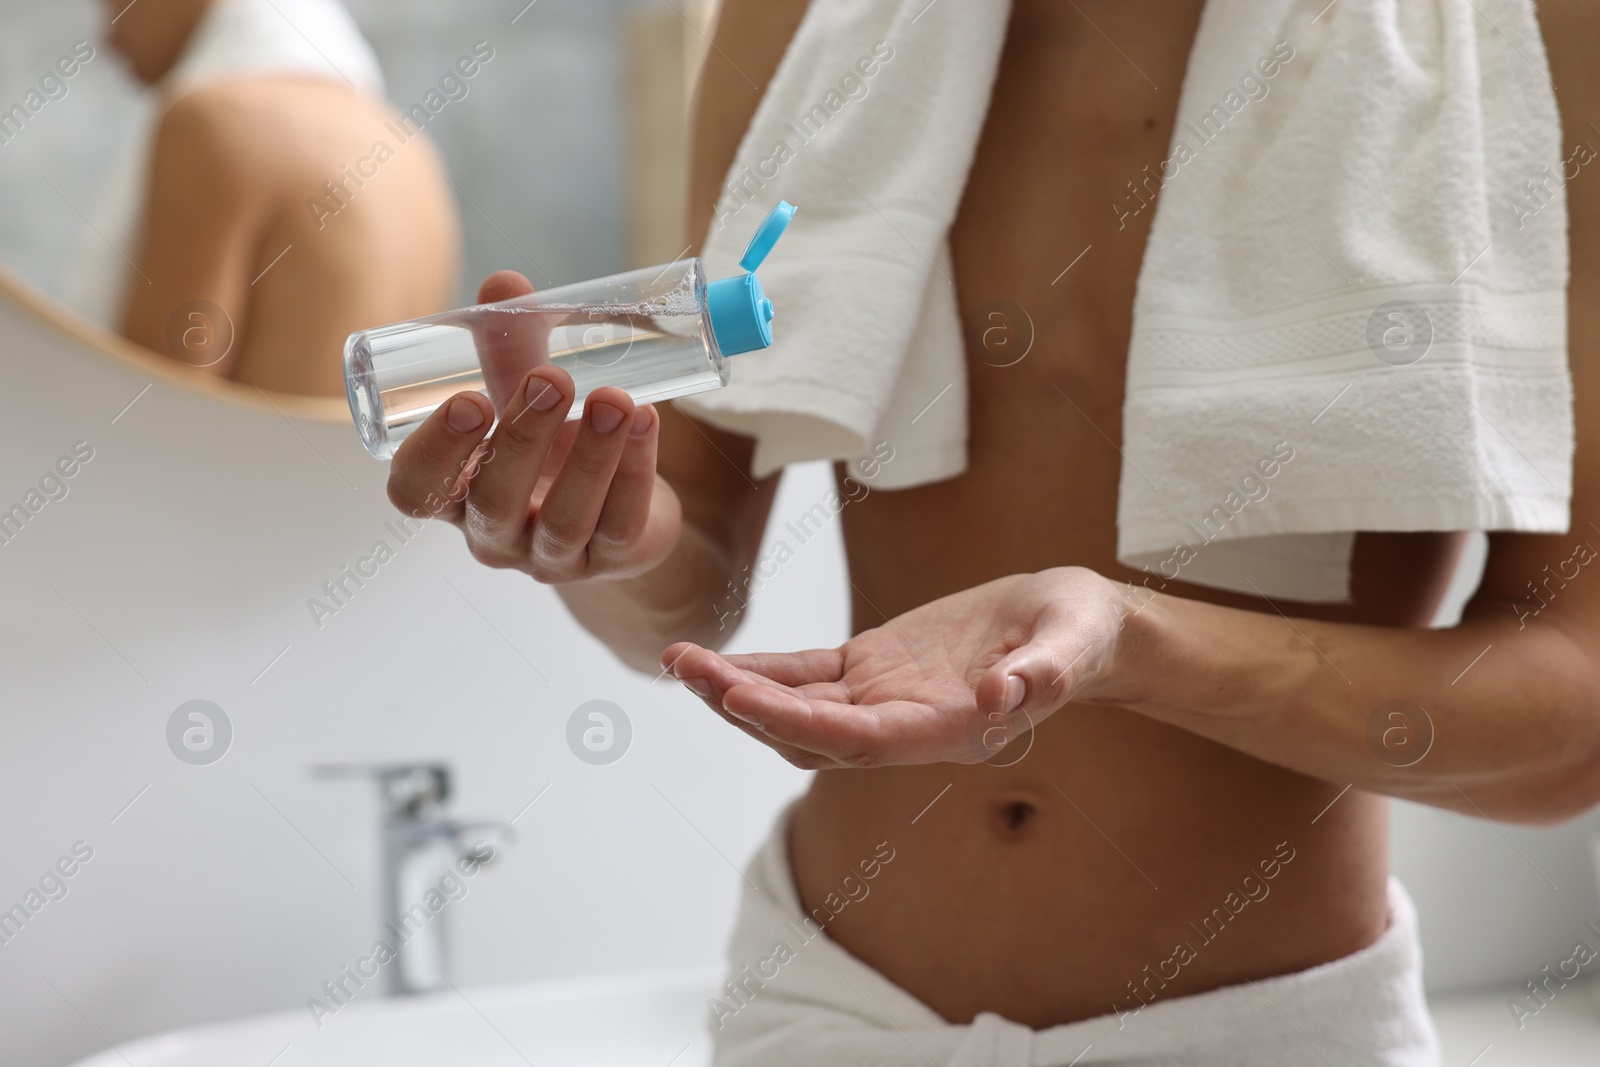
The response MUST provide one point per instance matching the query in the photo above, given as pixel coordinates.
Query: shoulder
(259, 131)
(208, 163)
(224, 138)
(1568, 12)
(1568, 23)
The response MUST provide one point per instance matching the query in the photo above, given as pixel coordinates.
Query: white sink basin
(660, 1020)
(1480, 1029)
(635, 1020)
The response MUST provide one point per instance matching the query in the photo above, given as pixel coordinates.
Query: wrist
(1185, 661)
(1134, 670)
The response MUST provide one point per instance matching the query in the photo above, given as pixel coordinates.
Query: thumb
(509, 344)
(1065, 650)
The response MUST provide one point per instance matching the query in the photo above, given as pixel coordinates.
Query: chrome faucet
(426, 858)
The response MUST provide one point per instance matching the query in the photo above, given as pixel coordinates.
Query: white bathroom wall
(178, 566)
(56, 166)
(1495, 903)
(242, 886)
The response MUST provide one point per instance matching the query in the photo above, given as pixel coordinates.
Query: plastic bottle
(657, 333)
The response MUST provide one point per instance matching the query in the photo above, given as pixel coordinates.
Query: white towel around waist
(811, 1002)
(234, 38)
(1355, 278)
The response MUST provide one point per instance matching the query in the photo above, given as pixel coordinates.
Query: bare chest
(1053, 223)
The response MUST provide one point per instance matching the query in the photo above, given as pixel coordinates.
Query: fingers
(851, 735)
(429, 475)
(674, 654)
(1012, 685)
(510, 343)
(496, 518)
(809, 761)
(1070, 644)
(794, 668)
(597, 507)
(625, 515)
(432, 468)
(702, 669)
(571, 509)
(702, 688)
(817, 726)
(503, 285)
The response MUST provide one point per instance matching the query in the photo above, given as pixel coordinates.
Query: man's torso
(1060, 887)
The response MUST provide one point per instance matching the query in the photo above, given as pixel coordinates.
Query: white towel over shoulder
(1352, 309)
(1351, 313)
(869, 126)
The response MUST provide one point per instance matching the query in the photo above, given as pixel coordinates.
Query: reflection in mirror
(238, 185)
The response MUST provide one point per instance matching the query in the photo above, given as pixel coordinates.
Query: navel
(1014, 819)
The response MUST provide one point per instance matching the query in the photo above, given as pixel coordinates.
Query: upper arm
(709, 468)
(750, 39)
(1550, 573)
(201, 215)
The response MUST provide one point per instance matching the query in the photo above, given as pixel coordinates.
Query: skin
(234, 167)
(1186, 739)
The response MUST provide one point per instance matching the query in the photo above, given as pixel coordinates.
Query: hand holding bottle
(561, 497)
(562, 501)
(658, 333)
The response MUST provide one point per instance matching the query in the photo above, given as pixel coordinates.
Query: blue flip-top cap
(741, 314)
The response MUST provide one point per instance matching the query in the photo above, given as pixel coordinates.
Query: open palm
(954, 680)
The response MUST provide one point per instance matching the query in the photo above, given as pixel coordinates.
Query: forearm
(675, 600)
(1508, 733)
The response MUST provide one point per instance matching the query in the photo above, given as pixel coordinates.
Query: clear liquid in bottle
(646, 332)
(658, 333)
